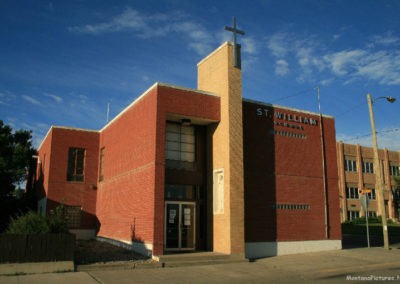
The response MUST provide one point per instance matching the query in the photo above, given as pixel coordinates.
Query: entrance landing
(197, 258)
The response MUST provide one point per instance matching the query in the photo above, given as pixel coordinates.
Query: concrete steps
(197, 258)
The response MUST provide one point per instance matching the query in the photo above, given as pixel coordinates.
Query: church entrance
(180, 229)
(185, 198)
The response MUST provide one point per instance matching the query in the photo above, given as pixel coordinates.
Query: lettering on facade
(287, 117)
(288, 120)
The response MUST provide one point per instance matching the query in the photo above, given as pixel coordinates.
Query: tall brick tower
(217, 74)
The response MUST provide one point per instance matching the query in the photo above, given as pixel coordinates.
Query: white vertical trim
(218, 191)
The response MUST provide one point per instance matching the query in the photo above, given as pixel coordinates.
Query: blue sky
(62, 62)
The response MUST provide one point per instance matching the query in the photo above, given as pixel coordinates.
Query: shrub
(33, 223)
(56, 221)
(30, 223)
(371, 220)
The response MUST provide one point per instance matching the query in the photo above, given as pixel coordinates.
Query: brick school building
(198, 170)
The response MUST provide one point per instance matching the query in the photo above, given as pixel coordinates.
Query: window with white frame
(350, 165)
(351, 192)
(351, 215)
(368, 167)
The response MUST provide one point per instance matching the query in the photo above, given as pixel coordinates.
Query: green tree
(15, 155)
(16, 151)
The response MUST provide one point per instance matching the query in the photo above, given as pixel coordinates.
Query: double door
(180, 224)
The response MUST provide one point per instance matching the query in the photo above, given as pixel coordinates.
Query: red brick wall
(126, 194)
(132, 193)
(285, 168)
(54, 160)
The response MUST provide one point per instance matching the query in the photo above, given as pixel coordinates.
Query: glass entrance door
(180, 226)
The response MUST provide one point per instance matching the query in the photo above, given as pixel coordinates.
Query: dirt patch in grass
(93, 251)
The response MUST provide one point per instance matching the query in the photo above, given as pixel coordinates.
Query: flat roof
(64, 127)
(156, 84)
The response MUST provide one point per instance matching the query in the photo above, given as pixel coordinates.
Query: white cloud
(152, 25)
(249, 45)
(336, 37)
(282, 67)
(327, 82)
(128, 20)
(313, 59)
(287, 47)
(7, 97)
(343, 62)
(380, 66)
(279, 44)
(57, 99)
(386, 39)
(31, 100)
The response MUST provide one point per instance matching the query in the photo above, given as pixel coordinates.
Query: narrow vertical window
(101, 170)
(76, 164)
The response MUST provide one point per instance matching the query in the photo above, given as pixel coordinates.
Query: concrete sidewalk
(362, 264)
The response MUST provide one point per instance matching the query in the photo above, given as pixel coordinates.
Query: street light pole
(378, 170)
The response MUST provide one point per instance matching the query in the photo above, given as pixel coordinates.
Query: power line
(351, 109)
(367, 135)
(292, 95)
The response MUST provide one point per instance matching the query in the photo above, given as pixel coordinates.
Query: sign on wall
(287, 124)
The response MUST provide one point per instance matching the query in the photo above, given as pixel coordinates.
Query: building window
(73, 215)
(350, 165)
(76, 164)
(372, 214)
(394, 170)
(180, 149)
(372, 194)
(180, 192)
(351, 215)
(396, 194)
(351, 192)
(101, 169)
(368, 167)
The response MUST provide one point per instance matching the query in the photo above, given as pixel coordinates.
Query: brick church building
(198, 170)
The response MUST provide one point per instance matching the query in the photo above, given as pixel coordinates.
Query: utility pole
(378, 176)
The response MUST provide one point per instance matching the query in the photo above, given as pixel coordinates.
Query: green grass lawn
(374, 229)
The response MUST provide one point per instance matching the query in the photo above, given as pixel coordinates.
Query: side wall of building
(284, 185)
(354, 175)
(125, 195)
(52, 179)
